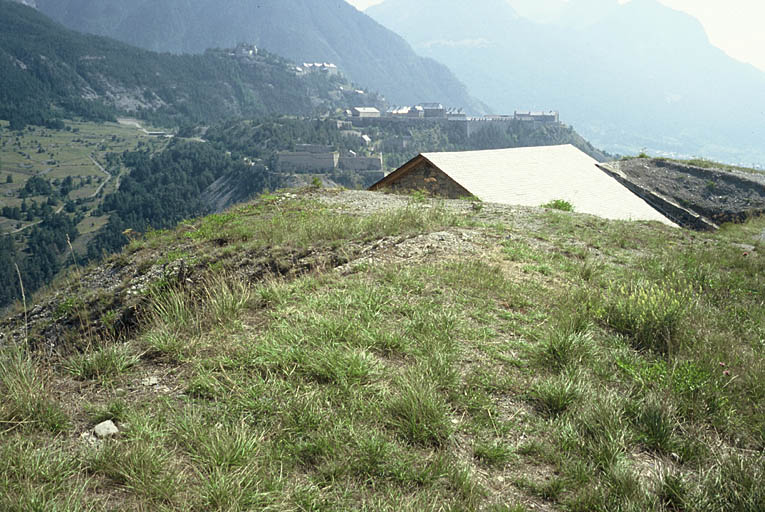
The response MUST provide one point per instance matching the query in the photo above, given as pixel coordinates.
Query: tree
(9, 179)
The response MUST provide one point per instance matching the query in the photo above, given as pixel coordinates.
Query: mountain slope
(302, 30)
(44, 65)
(631, 76)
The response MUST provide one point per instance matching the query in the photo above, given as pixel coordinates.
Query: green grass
(650, 314)
(440, 383)
(26, 402)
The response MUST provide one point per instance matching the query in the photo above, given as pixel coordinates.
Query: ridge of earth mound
(109, 300)
(711, 196)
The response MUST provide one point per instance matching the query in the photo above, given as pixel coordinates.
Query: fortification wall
(361, 163)
(303, 161)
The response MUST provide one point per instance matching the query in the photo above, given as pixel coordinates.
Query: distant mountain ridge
(47, 71)
(301, 30)
(628, 77)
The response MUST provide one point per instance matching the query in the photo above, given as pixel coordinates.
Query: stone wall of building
(361, 163)
(304, 161)
(430, 180)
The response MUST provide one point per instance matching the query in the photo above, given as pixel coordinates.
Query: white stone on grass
(106, 430)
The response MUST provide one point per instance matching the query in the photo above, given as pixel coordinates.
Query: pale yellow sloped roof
(534, 176)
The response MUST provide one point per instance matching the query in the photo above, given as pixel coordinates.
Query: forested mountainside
(301, 30)
(628, 77)
(48, 71)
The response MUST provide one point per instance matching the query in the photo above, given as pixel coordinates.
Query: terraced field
(80, 152)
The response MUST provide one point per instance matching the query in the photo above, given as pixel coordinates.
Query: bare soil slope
(720, 195)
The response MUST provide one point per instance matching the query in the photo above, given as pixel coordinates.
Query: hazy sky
(736, 26)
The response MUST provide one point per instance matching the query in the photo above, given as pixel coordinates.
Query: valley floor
(340, 350)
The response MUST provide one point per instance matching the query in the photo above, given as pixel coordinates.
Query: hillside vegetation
(47, 71)
(301, 30)
(52, 187)
(328, 350)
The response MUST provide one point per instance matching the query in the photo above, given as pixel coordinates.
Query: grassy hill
(323, 350)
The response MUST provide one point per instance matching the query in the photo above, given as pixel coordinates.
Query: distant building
(319, 67)
(530, 176)
(365, 112)
(353, 162)
(432, 110)
(313, 148)
(399, 112)
(245, 51)
(321, 158)
(307, 160)
(456, 115)
(541, 117)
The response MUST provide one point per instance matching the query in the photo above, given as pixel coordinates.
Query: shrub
(559, 204)
(649, 314)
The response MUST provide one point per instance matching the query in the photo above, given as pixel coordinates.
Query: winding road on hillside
(60, 208)
(34, 223)
(108, 177)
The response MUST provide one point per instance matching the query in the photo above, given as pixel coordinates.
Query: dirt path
(108, 176)
(34, 223)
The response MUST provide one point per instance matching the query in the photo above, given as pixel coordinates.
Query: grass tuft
(657, 426)
(735, 484)
(418, 412)
(552, 397)
(563, 349)
(672, 491)
(494, 454)
(143, 468)
(105, 364)
(559, 204)
(25, 399)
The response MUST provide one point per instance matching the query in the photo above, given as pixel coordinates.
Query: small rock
(150, 381)
(106, 430)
